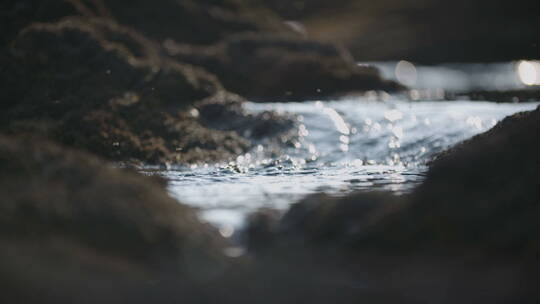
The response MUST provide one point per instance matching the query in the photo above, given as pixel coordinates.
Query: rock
(479, 196)
(494, 177)
(99, 86)
(323, 219)
(74, 229)
(127, 101)
(195, 21)
(17, 14)
(278, 68)
(261, 127)
(470, 227)
(261, 230)
(425, 31)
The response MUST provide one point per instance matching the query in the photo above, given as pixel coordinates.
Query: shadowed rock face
(69, 223)
(93, 75)
(72, 229)
(494, 177)
(194, 21)
(428, 31)
(480, 196)
(470, 228)
(197, 22)
(270, 68)
(17, 14)
(95, 85)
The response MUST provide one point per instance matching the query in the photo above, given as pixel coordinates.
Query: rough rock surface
(494, 177)
(93, 74)
(197, 22)
(278, 68)
(70, 222)
(98, 86)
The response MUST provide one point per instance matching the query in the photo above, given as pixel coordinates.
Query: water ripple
(343, 146)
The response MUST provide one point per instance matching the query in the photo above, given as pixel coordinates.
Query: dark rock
(485, 191)
(17, 14)
(480, 196)
(261, 230)
(425, 31)
(74, 229)
(468, 234)
(198, 22)
(323, 219)
(96, 85)
(194, 21)
(127, 101)
(277, 68)
(231, 116)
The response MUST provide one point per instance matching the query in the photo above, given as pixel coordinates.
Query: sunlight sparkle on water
(388, 151)
(339, 123)
(529, 72)
(406, 73)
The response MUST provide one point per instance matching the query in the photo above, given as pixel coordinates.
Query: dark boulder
(99, 86)
(479, 196)
(278, 68)
(74, 229)
(485, 192)
(17, 14)
(468, 234)
(259, 127)
(194, 21)
(197, 22)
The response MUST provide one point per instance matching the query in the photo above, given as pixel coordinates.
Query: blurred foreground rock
(132, 81)
(75, 230)
(190, 21)
(468, 234)
(101, 87)
(479, 196)
(94, 75)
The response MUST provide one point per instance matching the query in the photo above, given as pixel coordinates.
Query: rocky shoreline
(88, 83)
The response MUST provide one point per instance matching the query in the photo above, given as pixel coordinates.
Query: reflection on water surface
(343, 146)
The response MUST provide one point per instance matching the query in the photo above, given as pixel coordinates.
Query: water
(343, 146)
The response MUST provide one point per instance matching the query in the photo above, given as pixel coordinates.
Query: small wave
(343, 146)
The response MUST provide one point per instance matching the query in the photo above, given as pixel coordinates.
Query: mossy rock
(93, 84)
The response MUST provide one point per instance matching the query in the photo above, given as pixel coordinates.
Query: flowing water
(357, 144)
(343, 146)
